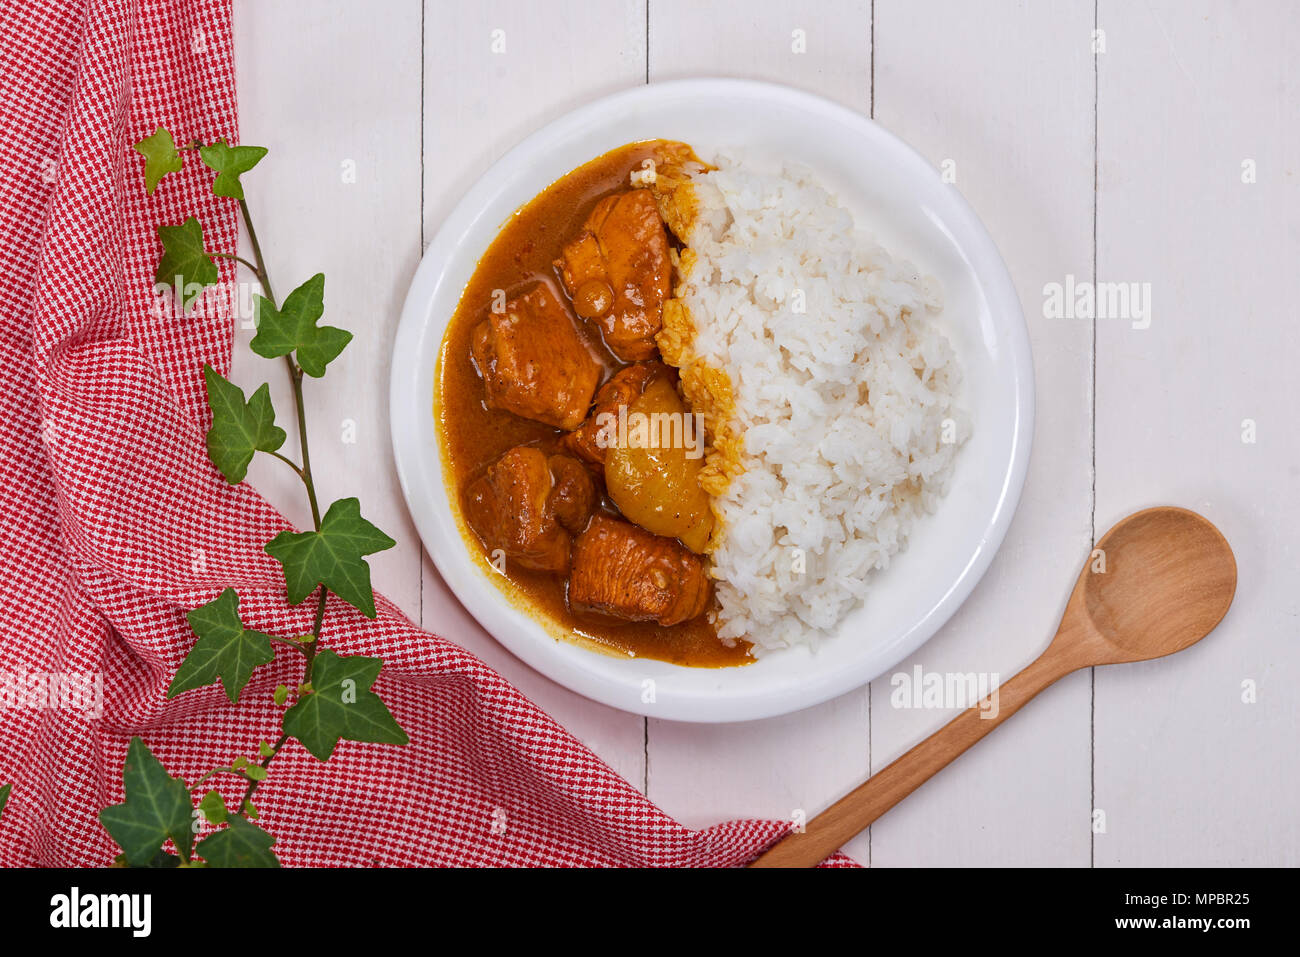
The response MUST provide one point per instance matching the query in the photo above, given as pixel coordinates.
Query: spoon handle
(856, 811)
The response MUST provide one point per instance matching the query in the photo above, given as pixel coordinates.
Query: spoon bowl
(1159, 581)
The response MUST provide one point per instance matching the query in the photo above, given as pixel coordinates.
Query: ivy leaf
(342, 706)
(184, 262)
(160, 157)
(292, 328)
(230, 162)
(332, 557)
(214, 808)
(157, 807)
(239, 428)
(241, 844)
(225, 649)
(164, 859)
(4, 797)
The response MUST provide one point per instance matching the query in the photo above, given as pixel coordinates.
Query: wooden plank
(824, 48)
(339, 193)
(800, 762)
(1187, 771)
(1004, 92)
(1173, 211)
(494, 72)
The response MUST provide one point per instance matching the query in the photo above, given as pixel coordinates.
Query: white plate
(893, 193)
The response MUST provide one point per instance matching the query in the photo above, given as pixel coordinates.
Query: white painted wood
(1020, 141)
(332, 89)
(1186, 771)
(493, 73)
(803, 761)
(497, 71)
(824, 48)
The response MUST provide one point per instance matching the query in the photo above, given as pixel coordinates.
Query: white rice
(829, 480)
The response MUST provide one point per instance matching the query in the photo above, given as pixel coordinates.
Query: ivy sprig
(332, 557)
(230, 162)
(239, 428)
(160, 157)
(293, 328)
(157, 807)
(184, 261)
(341, 705)
(241, 844)
(334, 700)
(226, 651)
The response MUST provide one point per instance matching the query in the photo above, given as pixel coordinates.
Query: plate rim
(537, 651)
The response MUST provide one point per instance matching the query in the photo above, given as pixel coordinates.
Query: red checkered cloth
(113, 523)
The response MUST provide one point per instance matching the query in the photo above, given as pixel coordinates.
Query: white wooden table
(1169, 156)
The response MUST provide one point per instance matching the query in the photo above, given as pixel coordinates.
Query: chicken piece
(622, 571)
(622, 389)
(574, 494)
(526, 504)
(533, 361)
(617, 272)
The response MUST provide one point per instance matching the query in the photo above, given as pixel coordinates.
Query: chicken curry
(550, 353)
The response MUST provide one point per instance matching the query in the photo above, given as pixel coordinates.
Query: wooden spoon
(1169, 578)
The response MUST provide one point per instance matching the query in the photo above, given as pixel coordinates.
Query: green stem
(292, 644)
(260, 268)
(295, 375)
(216, 771)
(239, 259)
(252, 785)
(304, 473)
(315, 629)
(287, 461)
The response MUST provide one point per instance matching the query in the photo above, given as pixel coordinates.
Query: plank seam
(1092, 428)
(419, 553)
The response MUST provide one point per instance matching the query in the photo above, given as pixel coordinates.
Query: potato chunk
(652, 472)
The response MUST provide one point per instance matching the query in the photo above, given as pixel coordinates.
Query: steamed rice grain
(828, 389)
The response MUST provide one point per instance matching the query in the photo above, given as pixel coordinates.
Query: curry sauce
(474, 435)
